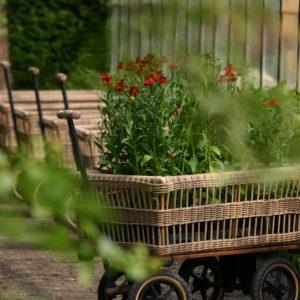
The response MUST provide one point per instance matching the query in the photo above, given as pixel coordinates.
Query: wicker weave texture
(200, 213)
(28, 123)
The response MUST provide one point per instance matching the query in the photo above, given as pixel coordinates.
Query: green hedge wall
(70, 36)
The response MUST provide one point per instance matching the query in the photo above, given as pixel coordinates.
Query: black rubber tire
(265, 269)
(187, 268)
(167, 277)
(107, 282)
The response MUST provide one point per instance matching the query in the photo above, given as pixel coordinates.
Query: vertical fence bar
(229, 32)
(187, 27)
(246, 32)
(151, 29)
(298, 49)
(162, 10)
(279, 43)
(200, 26)
(119, 30)
(262, 45)
(174, 7)
(129, 29)
(215, 22)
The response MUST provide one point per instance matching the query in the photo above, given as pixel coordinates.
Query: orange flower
(230, 73)
(142, 63)
(271, 103)
(172, 66)
(120, 66)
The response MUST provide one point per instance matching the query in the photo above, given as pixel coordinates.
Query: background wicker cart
(28, 127)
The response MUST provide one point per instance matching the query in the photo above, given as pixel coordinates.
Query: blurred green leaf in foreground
(64, 216)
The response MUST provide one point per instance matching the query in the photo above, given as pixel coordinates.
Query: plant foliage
(201, 118)
(63, 35)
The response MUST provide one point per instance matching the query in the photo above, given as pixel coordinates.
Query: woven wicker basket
(27, 118)
(202, 213)
(57, 131)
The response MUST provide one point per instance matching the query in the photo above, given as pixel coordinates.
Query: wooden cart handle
(68, 114)
(5, 64)
(34, 71)
(62, 77)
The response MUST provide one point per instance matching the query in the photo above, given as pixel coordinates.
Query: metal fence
(262, 34)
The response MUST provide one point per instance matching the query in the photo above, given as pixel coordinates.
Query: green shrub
(62, 35)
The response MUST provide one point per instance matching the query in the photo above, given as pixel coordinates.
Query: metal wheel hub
(201, 284)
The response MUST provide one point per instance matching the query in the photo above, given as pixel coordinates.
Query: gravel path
(36, 274)
(27, 273)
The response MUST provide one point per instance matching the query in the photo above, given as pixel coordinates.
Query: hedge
(70, 36)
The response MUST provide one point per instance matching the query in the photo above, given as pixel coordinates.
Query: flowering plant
(193, 119)
(146, 127)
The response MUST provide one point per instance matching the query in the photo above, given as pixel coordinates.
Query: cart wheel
(204, 278)
(161, 286)
(277, 278)
(113, 287)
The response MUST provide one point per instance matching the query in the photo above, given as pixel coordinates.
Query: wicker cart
(205, 220)
(27, 119)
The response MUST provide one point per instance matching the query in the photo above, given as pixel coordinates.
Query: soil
(27, 273)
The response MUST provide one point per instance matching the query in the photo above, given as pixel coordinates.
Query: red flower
(131, 67)
(120, 66)
(142, 63)
(172, 66)
(163, 80)
(150, 81)
(106, 77)
(271, 103)
(230, 73)
(121, 85)
(156, 77)
(141, 72)
(134, 91)
(159, 77)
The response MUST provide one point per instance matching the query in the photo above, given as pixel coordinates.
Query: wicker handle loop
(62, 77)
(5, 64)
(68, 114)
(34, 71)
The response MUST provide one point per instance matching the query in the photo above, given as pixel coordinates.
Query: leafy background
(58, 36)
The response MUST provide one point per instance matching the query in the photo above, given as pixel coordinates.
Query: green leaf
(193, 163)
(216, 150)
(146, 158)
